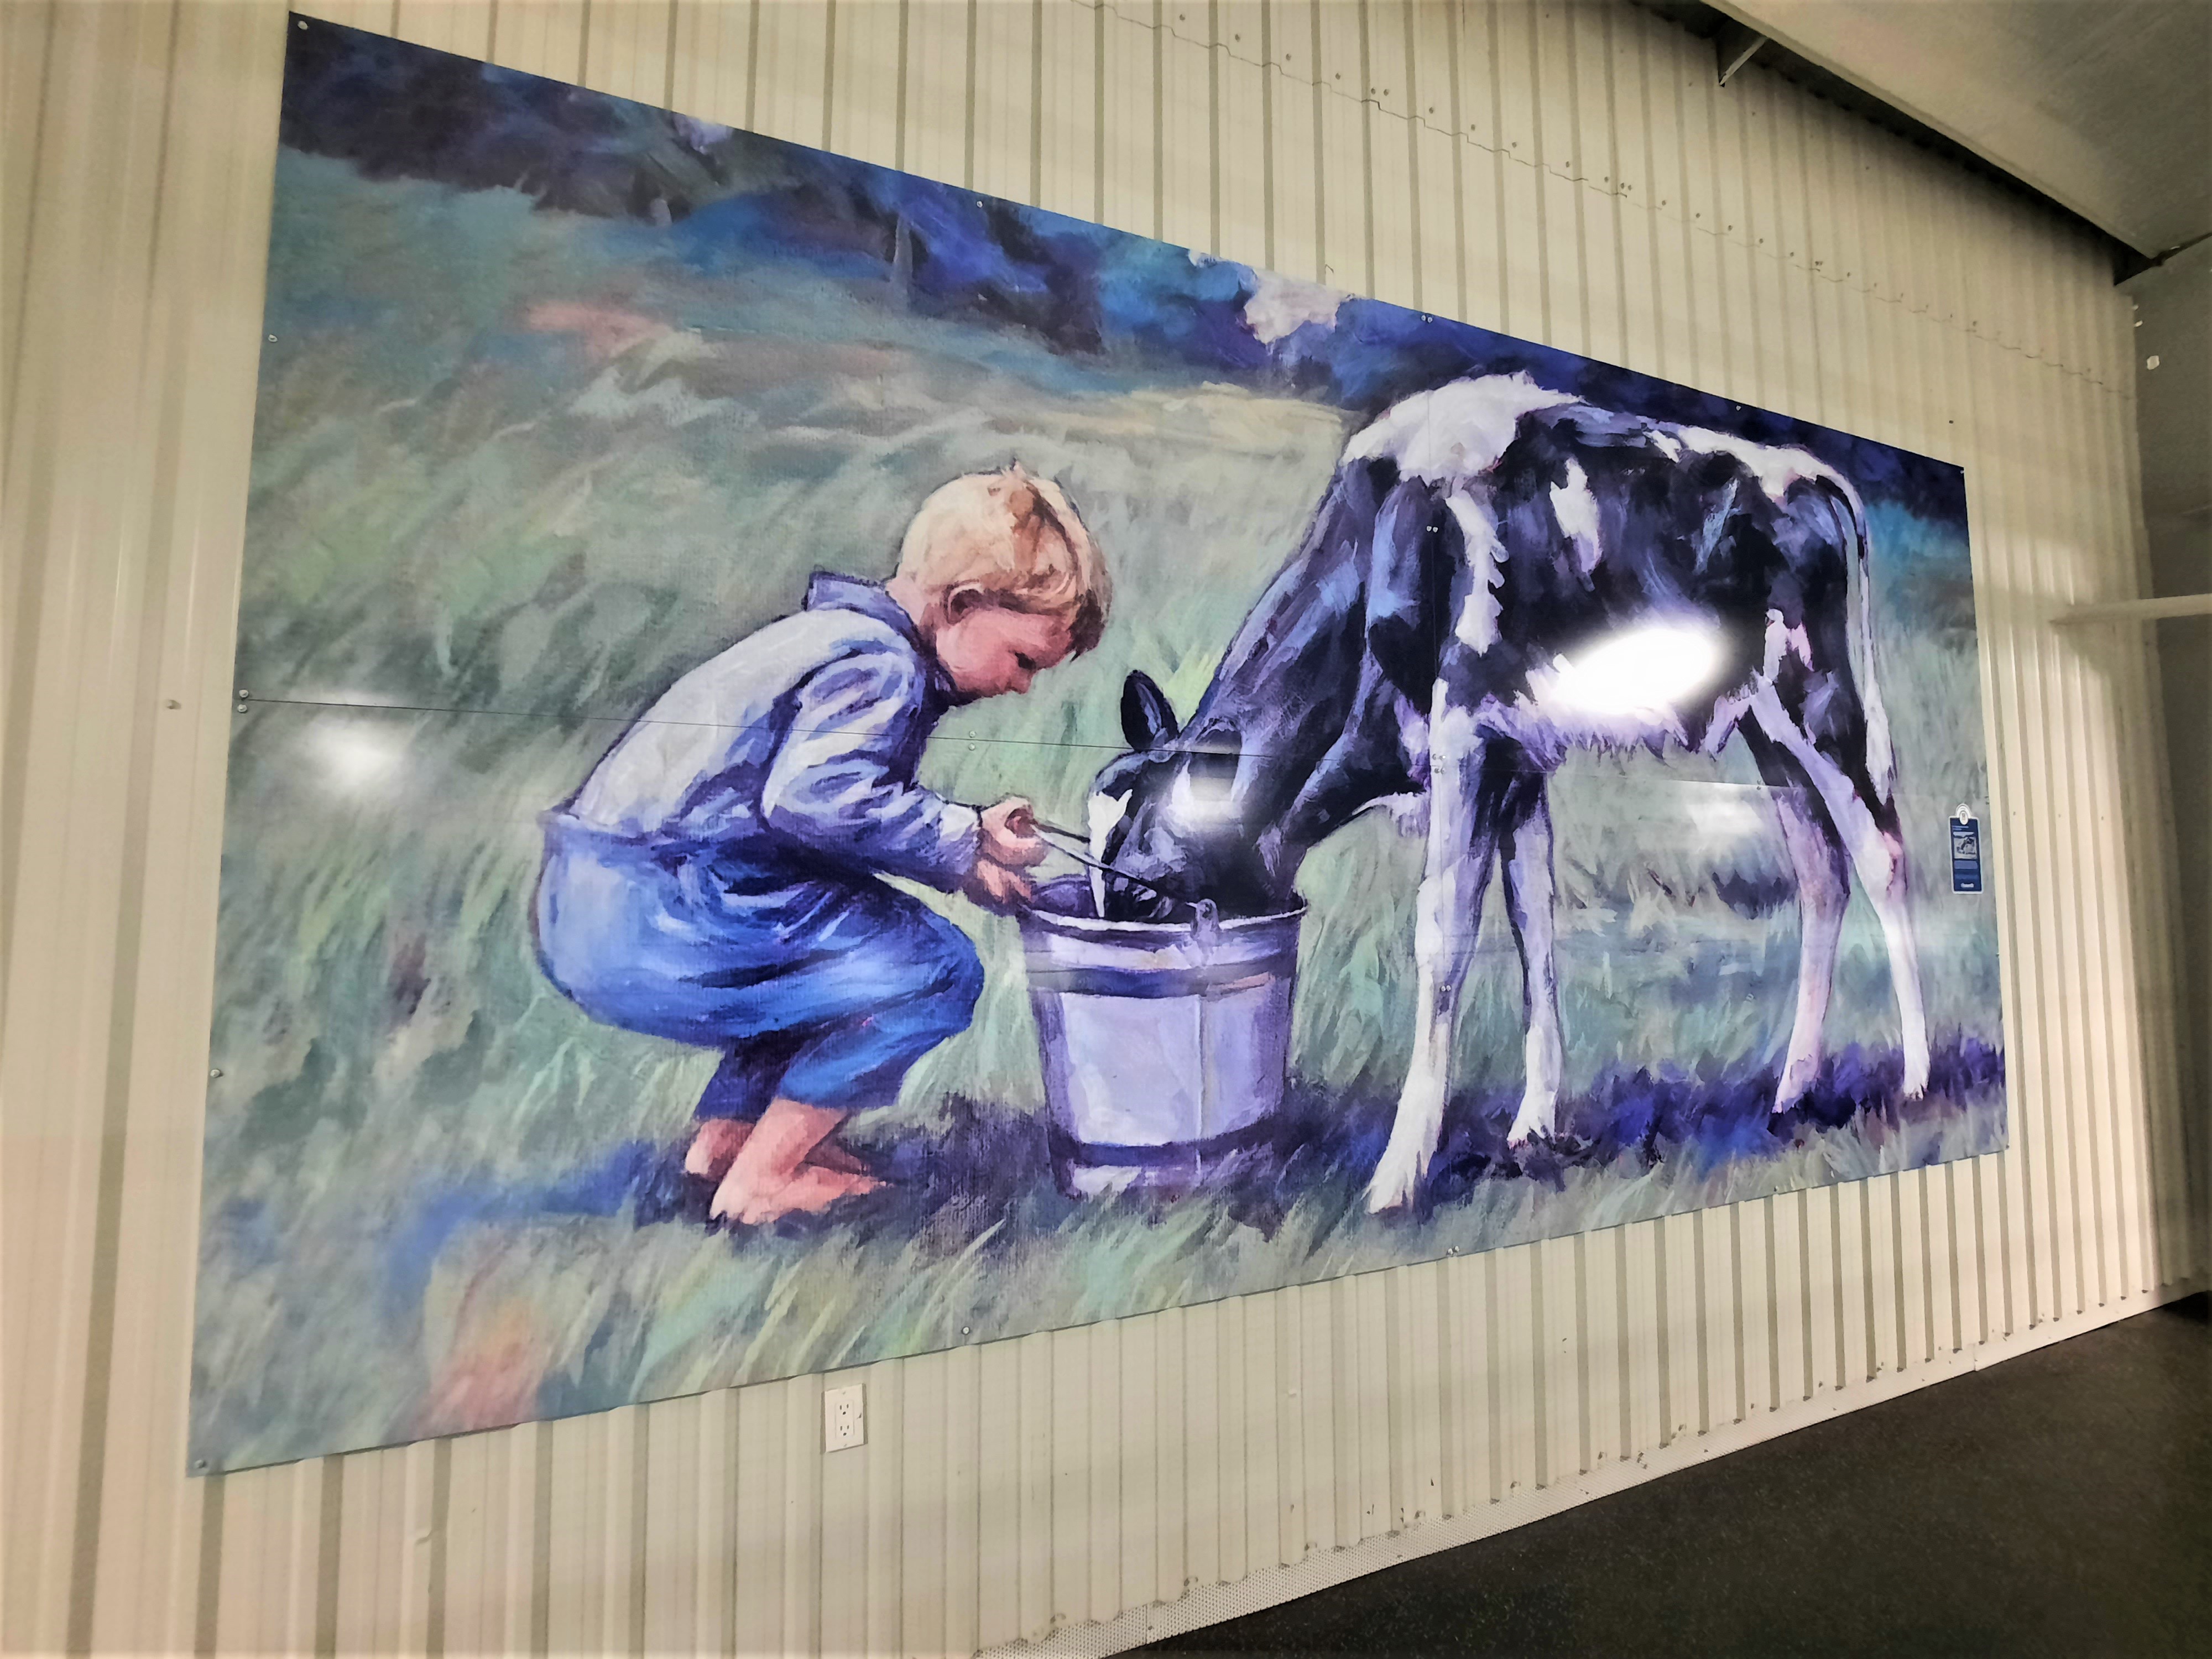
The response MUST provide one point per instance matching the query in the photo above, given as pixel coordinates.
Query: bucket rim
(1096, 926)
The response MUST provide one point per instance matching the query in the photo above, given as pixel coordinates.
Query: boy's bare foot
(715, 1148)
(833, 1155)
(810, 1191)
(787, 1165)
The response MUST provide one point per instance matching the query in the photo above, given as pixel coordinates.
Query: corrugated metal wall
(1566, 173)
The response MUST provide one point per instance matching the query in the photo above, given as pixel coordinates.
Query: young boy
(714, 881)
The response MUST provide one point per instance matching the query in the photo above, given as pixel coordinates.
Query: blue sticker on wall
(1966, 852)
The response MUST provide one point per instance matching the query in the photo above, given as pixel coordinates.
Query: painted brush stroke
(566, 396)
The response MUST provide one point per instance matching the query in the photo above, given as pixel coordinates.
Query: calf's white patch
(1576, 508)
(1105, 812)
(1455, 431)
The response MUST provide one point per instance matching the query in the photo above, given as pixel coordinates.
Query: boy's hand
(996, 886)
(1008, 835)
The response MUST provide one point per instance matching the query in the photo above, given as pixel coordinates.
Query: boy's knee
(963, 971)
(957, 980)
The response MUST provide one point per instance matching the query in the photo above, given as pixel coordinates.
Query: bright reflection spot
(1202, 799)
(1653, 669)
(357, 756)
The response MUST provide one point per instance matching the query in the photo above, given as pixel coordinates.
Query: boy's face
(988, 650)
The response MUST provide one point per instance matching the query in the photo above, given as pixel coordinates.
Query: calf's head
(1170, 815)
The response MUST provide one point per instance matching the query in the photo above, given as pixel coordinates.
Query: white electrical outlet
(844, 1418)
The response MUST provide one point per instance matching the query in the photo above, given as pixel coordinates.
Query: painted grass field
(514, 470)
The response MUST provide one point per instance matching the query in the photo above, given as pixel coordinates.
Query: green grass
(453, 512)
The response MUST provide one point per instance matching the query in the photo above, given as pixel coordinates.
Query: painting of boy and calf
(827, 767)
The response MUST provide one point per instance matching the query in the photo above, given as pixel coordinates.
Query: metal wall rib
(1568, 172)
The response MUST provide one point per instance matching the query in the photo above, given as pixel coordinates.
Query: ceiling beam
(1736, 45)
(2127, 611)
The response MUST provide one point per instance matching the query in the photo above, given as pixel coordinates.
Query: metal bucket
(1165, 1044)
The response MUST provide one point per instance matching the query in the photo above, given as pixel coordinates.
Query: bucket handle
(1208, 914)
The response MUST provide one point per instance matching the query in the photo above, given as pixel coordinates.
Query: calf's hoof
(1396, 1180)
(1796, 1082)
(1529, 1128)
(1537, 1118)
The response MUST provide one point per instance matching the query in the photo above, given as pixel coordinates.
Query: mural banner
(827, 767)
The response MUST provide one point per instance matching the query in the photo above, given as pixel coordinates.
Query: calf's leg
(1817, 860)
(1446, 913)
(1530, 901)
(1877, 855)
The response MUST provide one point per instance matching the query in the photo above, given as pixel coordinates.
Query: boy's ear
(1147, 718)
(961, 601)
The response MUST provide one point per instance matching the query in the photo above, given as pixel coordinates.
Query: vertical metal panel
(1568, 172)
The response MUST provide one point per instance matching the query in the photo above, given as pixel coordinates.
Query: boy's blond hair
(1009, 539)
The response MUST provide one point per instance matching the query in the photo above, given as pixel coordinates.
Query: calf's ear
(1147, 719)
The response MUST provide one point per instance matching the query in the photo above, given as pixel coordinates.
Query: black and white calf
(1499, 574)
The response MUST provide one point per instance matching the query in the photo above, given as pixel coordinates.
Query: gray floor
(2060, 1502)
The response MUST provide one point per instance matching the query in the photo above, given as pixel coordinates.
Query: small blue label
(1965, 855)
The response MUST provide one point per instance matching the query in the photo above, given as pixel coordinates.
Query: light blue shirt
(800, 738)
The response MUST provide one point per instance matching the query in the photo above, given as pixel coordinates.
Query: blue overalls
(713, 882)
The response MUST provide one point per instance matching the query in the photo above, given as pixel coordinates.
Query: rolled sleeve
(841, 783)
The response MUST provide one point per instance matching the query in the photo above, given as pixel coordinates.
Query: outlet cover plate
(844, 1418)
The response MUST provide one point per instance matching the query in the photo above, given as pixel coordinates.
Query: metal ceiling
(2104, 105)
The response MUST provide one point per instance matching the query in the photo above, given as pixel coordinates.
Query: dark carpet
(2059, 1503)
